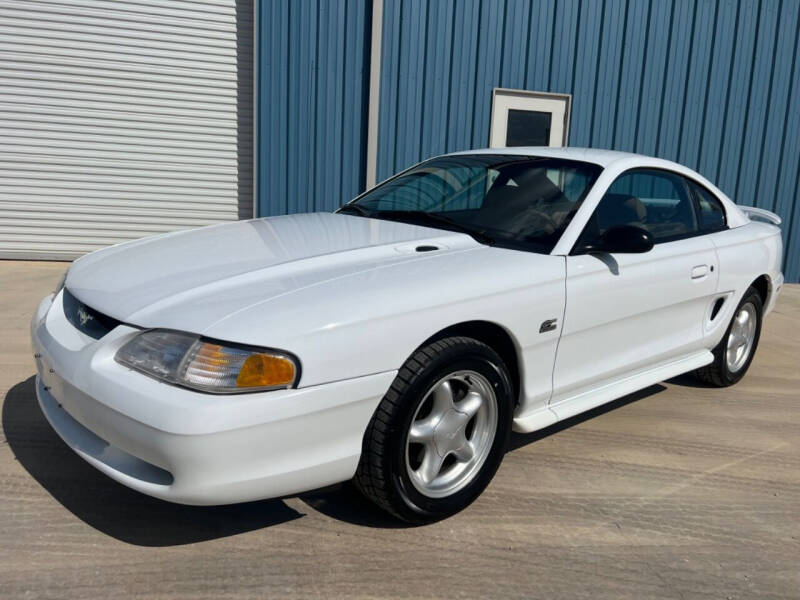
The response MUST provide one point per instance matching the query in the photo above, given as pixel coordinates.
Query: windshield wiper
(355, 208)
(435, 218)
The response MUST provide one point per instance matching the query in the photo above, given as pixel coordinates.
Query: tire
(398, 467)
(721, 372)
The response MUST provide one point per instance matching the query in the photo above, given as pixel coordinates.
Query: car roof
(597, 156)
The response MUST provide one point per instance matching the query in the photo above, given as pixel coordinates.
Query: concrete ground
(678, 491)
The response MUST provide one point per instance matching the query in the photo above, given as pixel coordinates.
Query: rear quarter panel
(745, 253)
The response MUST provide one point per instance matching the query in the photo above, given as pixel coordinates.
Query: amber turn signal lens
(266, 370)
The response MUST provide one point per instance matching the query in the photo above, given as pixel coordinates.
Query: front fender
(371, 322)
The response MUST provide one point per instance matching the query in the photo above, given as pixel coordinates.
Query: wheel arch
(496, 337)
(763, 285)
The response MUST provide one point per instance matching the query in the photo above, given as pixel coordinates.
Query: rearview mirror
(622, 239)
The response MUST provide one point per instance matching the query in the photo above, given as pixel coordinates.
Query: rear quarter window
(710, 212)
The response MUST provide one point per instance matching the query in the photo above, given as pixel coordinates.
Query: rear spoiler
(760, 214)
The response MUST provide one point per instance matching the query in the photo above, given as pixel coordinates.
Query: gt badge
(548, 325)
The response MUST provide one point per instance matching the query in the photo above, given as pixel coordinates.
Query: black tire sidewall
(752, 296)
(417, 506)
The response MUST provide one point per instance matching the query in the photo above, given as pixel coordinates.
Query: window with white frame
(523, 118)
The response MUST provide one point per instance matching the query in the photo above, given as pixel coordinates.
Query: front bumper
(186, 446)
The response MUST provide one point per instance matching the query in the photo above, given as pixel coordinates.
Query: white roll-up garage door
(120, 119)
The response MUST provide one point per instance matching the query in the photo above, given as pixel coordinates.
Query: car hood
(192, 279)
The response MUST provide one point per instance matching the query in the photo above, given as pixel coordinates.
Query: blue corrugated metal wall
(713, 84)
(312, 97)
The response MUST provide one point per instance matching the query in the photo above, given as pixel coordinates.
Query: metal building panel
(120, 120)
(608, 75)
(734, 117)
(672, 108)
(702, 46)
(517, 24)
(713, 84)
(787, 195)
(410, 82)
(313, 57)
(630, 80)
(776, 132)
(562, 60)
(759, 101)
(488, 69)
(273, 99)
(540, 45)
(390, 68)
(461, 90)
(659, 40)
(585, 73)
(436, 84)
(712, 142)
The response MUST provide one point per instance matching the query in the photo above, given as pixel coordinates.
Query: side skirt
(568, 407)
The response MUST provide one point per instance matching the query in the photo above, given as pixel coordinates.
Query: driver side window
(653, 200)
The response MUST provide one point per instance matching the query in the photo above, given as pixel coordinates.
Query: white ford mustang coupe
(398, 341)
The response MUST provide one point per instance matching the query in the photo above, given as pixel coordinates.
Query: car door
(627, 313)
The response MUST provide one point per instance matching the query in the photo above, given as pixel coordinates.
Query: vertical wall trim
(256, 105)
(288, 92)
(374, 92)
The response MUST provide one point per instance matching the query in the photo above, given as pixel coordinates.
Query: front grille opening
(86, 319)
(716, 308)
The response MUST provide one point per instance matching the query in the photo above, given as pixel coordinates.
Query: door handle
(699, 271)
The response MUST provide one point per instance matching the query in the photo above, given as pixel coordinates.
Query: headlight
(189, 360)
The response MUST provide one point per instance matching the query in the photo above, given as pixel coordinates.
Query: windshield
(520, 202)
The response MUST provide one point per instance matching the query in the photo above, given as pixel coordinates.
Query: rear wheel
(439, 435)
(734, 353)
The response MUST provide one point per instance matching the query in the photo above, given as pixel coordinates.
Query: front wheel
(734, 353)
(439, 435)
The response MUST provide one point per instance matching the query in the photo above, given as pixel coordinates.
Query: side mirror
(622, 239)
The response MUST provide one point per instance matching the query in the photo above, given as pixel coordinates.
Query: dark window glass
(710, 212)
(516, 201)
(653, 200)
(528, 128)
